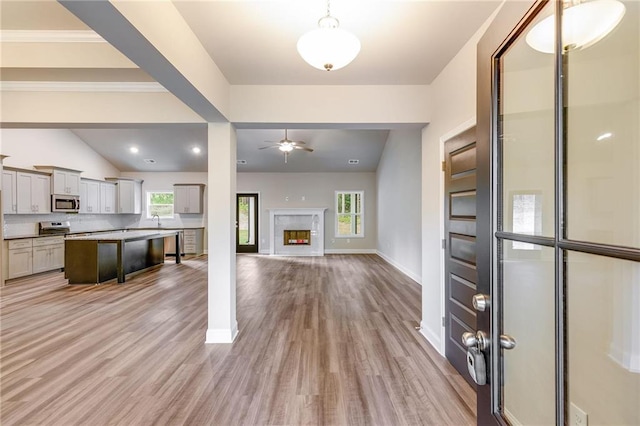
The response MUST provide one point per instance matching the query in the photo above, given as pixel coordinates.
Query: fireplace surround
(296, 232)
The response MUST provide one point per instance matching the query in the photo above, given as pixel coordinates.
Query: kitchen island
(96, 258)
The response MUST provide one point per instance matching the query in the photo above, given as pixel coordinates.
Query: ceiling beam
(155, 37)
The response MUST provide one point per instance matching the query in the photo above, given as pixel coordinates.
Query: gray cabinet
(20, 258)
(193, 241)
(108, 197)
(63, 181)
(33, 193)
(9, 192)
(89, 196)
(48, 253)
(128, 195)
(188, 198)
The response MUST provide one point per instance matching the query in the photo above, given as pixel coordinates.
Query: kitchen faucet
(155, 215)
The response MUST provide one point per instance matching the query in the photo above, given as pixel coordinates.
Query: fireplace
(296, 232)
(297, 237)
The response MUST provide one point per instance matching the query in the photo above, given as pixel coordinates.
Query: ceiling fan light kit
(328, 47)
(286, 145)
(584, 23)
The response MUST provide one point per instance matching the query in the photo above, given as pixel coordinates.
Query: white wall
(285, 190)
(53, 147)
(454, 100)
(398, 182)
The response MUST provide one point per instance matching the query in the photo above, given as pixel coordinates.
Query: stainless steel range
(54, 228)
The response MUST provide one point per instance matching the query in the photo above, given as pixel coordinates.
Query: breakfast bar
(96, 258)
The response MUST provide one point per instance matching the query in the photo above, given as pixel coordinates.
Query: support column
(221, 211)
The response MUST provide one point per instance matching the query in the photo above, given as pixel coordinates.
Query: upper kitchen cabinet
(187, 198)
(64, 181)
(33, 193)
(9, 192)
(129, 195)
(108, 199)
(89, 196)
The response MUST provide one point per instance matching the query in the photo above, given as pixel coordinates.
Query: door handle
(479, 340)
(480, 302)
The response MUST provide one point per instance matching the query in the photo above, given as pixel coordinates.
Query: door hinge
(444, 244)
(444, 166)
(443, 321)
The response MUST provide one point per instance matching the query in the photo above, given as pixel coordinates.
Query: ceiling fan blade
(304, 148)
(272, 146)
(297, 143)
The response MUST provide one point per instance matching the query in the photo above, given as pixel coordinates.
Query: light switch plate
(577, 416)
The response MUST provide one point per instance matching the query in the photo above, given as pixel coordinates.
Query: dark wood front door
(461, 276)
(247, 223)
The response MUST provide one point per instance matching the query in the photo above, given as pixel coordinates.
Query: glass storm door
(247, 223)
(559, 182)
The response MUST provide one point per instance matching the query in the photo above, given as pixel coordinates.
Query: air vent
(354, 161)
(149, 161)
(241, 161)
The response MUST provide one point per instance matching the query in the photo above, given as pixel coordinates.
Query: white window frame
(361, 214)
(148, 203)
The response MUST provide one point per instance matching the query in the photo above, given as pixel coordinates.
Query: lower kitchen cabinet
(33, 255)
(193, 241)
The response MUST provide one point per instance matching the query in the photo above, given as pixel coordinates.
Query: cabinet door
(40, 193)
(19, 263)
(9, 196)
(59, 182)
(107, 198)
(73, 183)
(195, 205)
(41, 259)
(125, 196)
(57, 256)
(93, 197)
(83, 197)
(180, 199)
(24, 199)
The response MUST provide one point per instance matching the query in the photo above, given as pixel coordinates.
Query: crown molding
(50, 36)
(80, 86)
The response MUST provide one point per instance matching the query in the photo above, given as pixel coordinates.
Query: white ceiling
(253, 42)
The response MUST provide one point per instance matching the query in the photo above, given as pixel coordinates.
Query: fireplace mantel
(284, 219)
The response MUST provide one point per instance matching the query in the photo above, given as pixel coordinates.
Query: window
(527, 218)
(160, 203)
(349, 214)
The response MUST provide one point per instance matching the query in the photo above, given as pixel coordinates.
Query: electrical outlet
(333, 241)
(286, 198)
(303, 198)
(577, 416)
(348, 240)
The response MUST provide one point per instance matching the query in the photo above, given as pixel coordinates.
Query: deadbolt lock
(480, 302)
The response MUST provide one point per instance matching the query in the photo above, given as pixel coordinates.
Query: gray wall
(286, 190)
(399, 202)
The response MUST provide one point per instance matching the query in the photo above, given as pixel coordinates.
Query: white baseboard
(400, 268)
(349, 251)
(222, 335)
(432, 337)
(266, 251)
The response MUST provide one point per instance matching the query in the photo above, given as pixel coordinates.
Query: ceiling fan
(286, 145)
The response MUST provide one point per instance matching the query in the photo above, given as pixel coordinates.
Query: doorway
(247, 213)
(558, 300)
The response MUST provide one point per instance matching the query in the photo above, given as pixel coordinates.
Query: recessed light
(134, 149)
(354, 161)
(241, 161)
(196, 150)
(149, 161)
(604, 136)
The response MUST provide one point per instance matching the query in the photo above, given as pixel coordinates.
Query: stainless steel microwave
(65, 203)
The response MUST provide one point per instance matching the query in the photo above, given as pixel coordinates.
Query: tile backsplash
(28, 224)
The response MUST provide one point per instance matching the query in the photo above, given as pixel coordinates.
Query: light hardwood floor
(323, 340)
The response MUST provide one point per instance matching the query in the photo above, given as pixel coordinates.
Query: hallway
(323, 340)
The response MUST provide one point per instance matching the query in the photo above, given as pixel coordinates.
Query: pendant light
(583, 24)
(328, 47)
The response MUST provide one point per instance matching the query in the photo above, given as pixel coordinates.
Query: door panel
(247, 223)
(528, 293)
(460, 256)
(558, 202)
(604, 338)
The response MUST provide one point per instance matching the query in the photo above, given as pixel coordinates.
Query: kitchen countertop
(124, 236)
(71, 234)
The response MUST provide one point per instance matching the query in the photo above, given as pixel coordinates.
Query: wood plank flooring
(323, 340)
